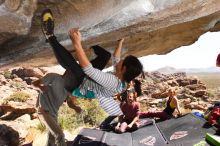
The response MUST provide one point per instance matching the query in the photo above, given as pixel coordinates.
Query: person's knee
(121, 130)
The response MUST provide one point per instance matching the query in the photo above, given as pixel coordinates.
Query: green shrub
(18, 97)
(163, 103)
(91, 116)
(211, 93)
(18, 85)
(93, 113)
(68, 119)
(41, 127)
(7, 74)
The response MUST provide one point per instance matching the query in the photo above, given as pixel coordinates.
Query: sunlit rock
(148, 26)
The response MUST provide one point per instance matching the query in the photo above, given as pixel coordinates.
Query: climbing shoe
(47, 23)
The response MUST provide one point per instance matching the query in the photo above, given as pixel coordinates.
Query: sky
(201, 54)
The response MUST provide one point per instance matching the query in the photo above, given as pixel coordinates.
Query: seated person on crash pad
(167, 113)
(130, 108)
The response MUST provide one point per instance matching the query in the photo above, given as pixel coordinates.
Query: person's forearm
(71, 101)
(178, 110)
(75, 36)
(80, 53)
(135, 120)
(117, 52)
(177, 105)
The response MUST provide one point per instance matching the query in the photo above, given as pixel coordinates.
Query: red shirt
(130, 111)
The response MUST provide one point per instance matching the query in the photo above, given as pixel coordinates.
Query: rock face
(191, 92)
(149, 26)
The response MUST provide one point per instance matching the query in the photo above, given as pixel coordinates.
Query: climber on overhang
(83, 75)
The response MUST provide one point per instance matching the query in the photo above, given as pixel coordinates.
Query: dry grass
(212, 80)
(19, 96)
(68, 119)
(91, 116)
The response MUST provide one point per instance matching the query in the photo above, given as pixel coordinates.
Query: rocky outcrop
(191, 92)
(16, 96)
(148, 26)
(11, 112)
(21, 115)
(27, 74)
(18, 102)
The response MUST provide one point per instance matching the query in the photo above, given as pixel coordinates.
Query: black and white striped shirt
(105, 86)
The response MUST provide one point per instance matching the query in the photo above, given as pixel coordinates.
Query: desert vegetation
(211, 80)
(18, 100)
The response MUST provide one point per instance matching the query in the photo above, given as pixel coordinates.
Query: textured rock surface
(149, 26)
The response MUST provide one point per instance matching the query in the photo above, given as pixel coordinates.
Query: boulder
(11, 112)
(200, 93)
(183, 82)
(148, 26)
(196, 87)
(27, 72)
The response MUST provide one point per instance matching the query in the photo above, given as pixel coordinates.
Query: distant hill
(169, 70)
